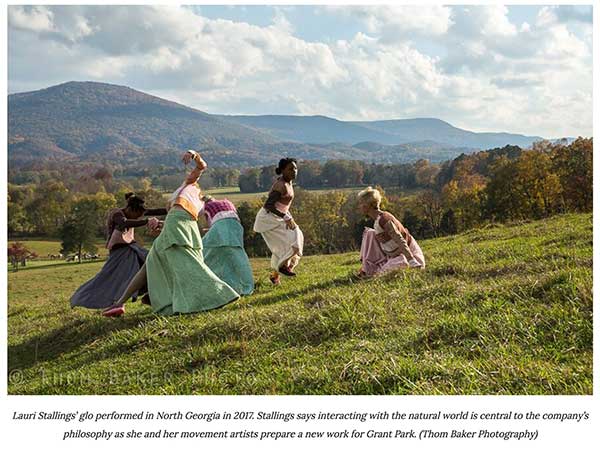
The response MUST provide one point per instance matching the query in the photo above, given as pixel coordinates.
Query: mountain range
(90, 121)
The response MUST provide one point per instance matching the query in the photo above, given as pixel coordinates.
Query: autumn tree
(86, 219)
(538, 186)
(49, 208)
(249, 180)
(432, 210)
(574, 166)
(18, 254)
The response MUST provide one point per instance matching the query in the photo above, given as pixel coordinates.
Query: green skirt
(225, 255)
(179, 281)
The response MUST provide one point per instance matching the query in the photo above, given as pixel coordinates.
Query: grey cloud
(119, 30)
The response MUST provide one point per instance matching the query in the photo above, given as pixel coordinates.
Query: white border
(44, 432)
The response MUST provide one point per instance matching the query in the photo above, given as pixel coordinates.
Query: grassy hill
(502, 310)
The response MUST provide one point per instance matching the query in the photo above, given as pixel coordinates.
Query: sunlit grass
(503, 310)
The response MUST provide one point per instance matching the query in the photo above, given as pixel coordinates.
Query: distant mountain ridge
(98, 121)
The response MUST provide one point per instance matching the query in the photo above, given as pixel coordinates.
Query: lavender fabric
(375, 261)
(109, 284)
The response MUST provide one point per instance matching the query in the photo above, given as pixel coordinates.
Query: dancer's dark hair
(284, 163)
(134, 202)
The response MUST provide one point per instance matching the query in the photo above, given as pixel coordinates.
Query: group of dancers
(185, 273)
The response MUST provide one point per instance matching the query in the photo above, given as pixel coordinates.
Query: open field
(235, 196)
(501, 310)
(43, 247)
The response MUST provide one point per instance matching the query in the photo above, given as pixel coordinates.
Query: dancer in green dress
(179, 281)
(224, 245)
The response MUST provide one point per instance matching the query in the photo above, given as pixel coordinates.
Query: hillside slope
(95, 119)
(101, 122)
(320, 130)
(419, 129)
(503, 310)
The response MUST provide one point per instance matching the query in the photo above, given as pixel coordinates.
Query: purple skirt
(112, 280)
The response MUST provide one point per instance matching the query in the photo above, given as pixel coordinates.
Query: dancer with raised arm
(179, 281)
(277, 226)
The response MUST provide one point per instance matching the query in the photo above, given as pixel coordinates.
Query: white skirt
(284, 243)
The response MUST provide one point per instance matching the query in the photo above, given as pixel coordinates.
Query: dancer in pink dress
(388, 246)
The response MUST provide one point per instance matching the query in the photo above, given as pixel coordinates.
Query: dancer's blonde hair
(370, 196)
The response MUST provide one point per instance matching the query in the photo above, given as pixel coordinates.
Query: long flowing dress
(125, 257)
(179, 281)
(380, 258)
(285, 244)
(224, 246)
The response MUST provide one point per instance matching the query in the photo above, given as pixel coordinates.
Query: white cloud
(491, 74)
(396, 23)
(33, 18)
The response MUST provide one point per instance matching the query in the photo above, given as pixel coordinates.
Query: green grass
(502, 310)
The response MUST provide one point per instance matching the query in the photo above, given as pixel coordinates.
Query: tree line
(497, 185)
(501, 184)
(344, 173)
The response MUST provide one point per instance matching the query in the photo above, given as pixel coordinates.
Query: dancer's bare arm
(201, 165)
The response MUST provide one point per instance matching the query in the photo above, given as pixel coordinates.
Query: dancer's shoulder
(279, 186)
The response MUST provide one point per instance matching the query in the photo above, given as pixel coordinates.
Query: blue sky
(323, 26)
(524, 69)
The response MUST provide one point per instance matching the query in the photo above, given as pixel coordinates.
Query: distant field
(502, 310)
(34, 264)
(235, 196)
(52, 246)
(41, 247)
(44, 247)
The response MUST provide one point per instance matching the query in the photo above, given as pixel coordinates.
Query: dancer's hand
(291, 224)
(155, 227)
(153, 223)
(189, 156)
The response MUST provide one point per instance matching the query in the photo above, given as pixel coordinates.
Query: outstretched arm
(122, 223)
(155, 212)
(201, 165)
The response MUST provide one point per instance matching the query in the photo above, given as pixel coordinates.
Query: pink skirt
(376, 261)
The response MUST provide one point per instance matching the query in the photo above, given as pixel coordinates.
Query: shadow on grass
(66, 339)
(291, 294)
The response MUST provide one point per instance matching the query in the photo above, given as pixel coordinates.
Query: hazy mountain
(319, 129)
(310, 129)
(86, 119)
(97, 121)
